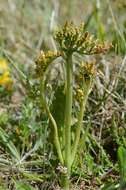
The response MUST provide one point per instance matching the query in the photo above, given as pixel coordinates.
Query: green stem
(68, 116)
(79, 125)
(56, 137)
(65, 182)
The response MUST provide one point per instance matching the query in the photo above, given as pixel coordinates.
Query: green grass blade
(122, 165)
(8, 144)
(23, 186)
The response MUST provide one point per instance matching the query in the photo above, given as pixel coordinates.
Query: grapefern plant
(70, 40)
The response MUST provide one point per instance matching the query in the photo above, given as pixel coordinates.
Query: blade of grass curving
(9, 145)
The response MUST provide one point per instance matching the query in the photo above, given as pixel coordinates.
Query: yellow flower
(5, 79)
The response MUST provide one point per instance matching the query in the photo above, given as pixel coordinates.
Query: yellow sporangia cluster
(5, 79)
(76, 39)
(84, 79)
(44, 59)
(79, 95)
(88, 70)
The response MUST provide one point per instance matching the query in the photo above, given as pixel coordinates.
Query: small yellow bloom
(5, 79)
(3, 65)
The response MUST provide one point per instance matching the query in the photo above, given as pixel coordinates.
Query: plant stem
(68, 116)
(79, 125)
(65, 182)
(56, 136)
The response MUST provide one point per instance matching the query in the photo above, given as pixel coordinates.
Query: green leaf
(122, 165)
(58, 108)
(109, 186)
(23, 186)
(8, 144)
(33, 176)
(5, 161)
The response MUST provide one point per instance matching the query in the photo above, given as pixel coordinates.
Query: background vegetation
(27, 160)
